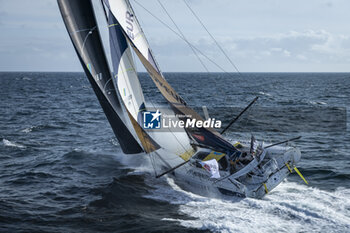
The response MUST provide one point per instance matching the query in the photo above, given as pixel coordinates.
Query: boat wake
(290, 207)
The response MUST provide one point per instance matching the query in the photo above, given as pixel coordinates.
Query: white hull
(253, 180)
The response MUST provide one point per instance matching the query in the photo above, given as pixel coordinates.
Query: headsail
(125, 74)
(126, 18)
(126, 81)
(131, 28)
(80, 21)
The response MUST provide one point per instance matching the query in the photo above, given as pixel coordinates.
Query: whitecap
(13, 144)
(115, 142)
(317, 103)
(264, 93)
(28, 130)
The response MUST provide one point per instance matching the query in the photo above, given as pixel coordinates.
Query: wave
(41, 127)
(317, 103)
(115, 142)
(264, 93)
(12, 144)
(28, 130)
(290, 207)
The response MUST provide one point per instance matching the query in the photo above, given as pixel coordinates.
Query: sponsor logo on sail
(129, 24)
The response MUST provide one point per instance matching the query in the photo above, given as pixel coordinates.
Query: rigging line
(104, 9)
(188, 43)
(142, 33)
(167, 26)
(86, 37)
(245, 123)
(80, 30)
(165, 162)
(140, 23)
(218, 45)
(153, 163)
(104, 87)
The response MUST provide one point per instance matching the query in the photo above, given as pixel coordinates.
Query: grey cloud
(257, 35)
(291, 47)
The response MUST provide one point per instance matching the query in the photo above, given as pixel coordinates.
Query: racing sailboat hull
(256, 182)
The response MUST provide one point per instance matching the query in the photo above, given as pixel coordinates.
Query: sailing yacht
(198, 158)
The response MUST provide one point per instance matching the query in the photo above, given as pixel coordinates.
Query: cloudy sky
(258, 35)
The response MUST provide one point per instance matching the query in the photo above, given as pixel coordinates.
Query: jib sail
(125, 17)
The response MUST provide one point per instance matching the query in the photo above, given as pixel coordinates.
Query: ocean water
(62, 170)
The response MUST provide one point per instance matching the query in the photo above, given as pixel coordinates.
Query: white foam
(139, 163)
(317, 103)
(31, 128)
(13, 144)
(264, 93)
(291, 207)
(28, 130)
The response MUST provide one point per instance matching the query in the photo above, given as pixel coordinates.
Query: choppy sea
(62, 170)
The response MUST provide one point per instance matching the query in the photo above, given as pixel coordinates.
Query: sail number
(129, 24)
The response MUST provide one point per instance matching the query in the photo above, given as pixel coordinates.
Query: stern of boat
(279, 166)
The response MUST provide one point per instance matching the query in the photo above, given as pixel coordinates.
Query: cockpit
(226, 162)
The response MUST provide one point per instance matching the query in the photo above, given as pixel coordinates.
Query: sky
(257, 35)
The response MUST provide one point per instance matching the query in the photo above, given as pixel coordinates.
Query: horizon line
(203, 72)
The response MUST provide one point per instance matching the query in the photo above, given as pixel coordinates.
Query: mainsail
(126, 80)
(125, 75)
(80, 21)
